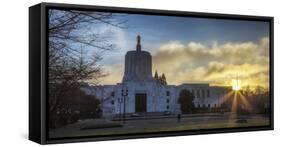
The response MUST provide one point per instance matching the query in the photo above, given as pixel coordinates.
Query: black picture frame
(38, 71)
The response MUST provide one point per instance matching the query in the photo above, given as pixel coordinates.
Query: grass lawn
(213, 125)
(188, 127)
(93, 128)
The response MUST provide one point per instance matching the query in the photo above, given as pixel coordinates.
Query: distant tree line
(257, 99)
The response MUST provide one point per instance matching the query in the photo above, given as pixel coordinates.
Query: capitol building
(142, 92)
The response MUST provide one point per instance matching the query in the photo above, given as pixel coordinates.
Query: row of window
(200, 93)
(206, 106)
(112, 101)
(167, 107)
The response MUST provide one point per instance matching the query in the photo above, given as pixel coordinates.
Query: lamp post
(120, 103)
(124, 93)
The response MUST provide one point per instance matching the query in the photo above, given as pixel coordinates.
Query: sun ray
(226, 97)
(245, 101)
(234, 103)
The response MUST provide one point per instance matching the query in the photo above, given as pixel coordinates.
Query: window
(204, 106)
(112, 93)
(168, 107)
(208, 93)
(215, 105)
(168, 93)
(198, 106)
(167, 100)
(209, 105)
(203, 93)
(198, 93)
(112, 102)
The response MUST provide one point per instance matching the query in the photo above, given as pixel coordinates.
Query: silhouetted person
(179, 118)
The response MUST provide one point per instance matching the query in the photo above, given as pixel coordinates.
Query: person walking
(179, 118)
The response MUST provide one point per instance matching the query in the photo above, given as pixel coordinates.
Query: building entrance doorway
(140, 102)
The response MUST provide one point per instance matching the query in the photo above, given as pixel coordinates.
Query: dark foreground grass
(190, 127)
(93, 130)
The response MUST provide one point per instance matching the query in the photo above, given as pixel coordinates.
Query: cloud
(119, 40)
(214, 63)
(114, 74)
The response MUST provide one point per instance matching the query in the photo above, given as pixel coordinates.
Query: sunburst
(237, 97)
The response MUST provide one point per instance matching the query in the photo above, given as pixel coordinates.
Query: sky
(189, 50)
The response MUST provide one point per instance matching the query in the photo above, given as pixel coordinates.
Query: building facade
(140, 92)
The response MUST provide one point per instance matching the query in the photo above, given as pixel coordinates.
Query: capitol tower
(138, 65)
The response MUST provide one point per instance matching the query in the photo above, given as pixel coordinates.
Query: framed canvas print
(100, 73)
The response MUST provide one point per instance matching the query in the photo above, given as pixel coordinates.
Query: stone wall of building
(146, 94)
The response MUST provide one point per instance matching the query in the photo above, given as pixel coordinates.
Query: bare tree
(70, 64)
